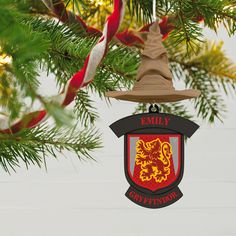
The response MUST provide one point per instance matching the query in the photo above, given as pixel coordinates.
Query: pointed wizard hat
(154, 79)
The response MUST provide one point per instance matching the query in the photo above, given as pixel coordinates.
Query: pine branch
(84, 109)
(209, 105)
(217, 12)
(61, 115)
(33, 146)
(186, 30)
(208, 70)
(208, 57)
(213, 11)
(24, 48)
(68, 51)
(187, 13)
(141, 9)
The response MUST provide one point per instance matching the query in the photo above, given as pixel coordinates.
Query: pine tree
(46, 36)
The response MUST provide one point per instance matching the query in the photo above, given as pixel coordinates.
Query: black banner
(154, 200)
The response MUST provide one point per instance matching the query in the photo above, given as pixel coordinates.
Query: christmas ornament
(154, 79)
(154, 142)
(154, 156)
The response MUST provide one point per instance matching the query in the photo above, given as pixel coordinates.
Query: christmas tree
(56, 36)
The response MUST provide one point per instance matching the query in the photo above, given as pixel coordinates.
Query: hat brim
(159, 96)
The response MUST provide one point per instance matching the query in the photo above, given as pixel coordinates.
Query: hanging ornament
(154, 141)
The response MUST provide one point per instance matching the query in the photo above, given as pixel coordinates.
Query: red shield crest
(154, 156)
(153, 160)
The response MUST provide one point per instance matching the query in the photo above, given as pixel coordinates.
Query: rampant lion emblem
(154, 159)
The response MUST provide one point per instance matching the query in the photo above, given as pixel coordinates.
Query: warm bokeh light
(100, 10)
(99, 3)
(4, 58)
(5, 89)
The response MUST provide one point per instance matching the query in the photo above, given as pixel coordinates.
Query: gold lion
(154, 159)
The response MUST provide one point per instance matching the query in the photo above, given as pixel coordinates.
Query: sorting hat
(154, 79)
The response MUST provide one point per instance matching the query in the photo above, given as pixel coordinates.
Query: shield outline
(154, 131)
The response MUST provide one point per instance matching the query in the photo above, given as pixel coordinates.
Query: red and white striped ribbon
(80, 79)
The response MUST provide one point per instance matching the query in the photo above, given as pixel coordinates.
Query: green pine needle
(36, 145)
